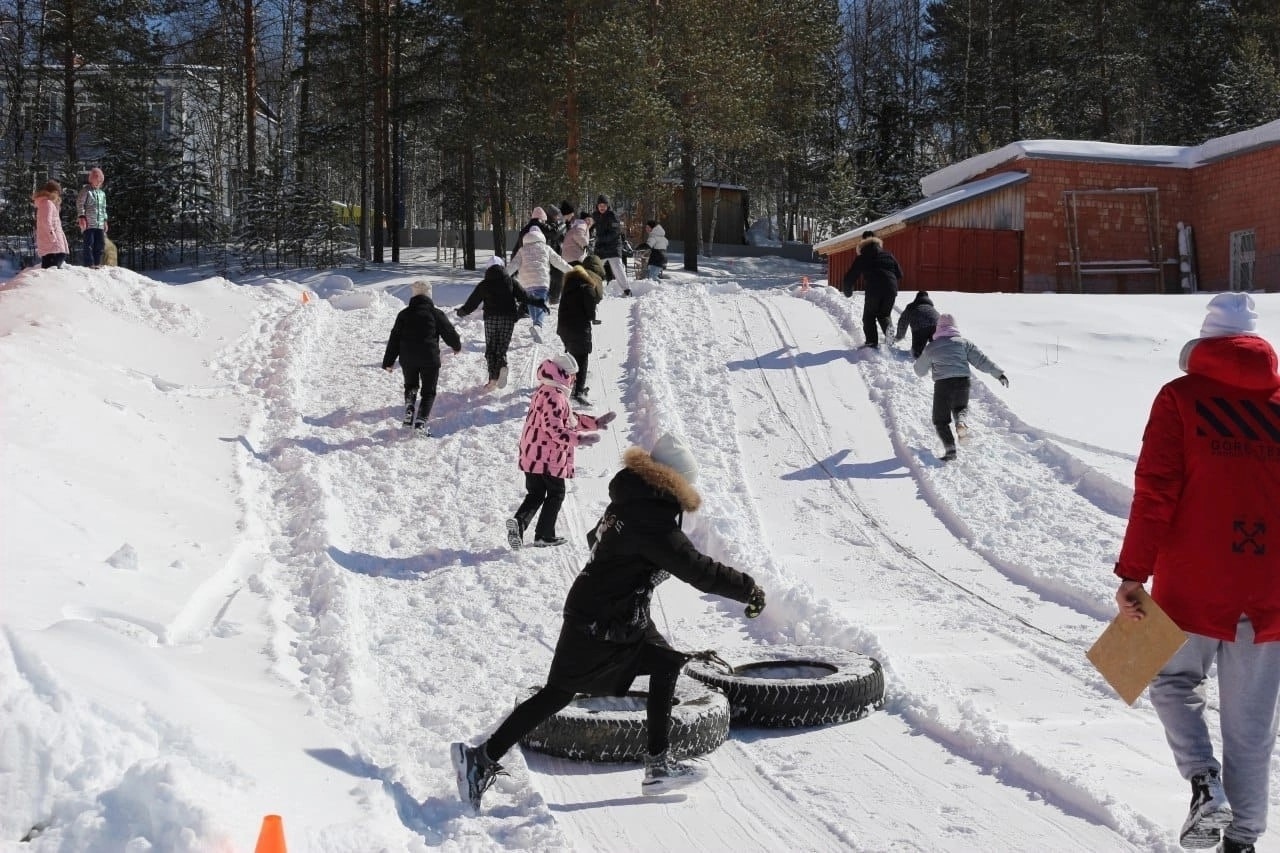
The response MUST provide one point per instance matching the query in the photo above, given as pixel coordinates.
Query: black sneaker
(515, 536)
(949, 455)
(549, 543)
(1230, 845)
(408, 413)
(581, 399)
(475, 772)
(1209, 813)
(420, 427)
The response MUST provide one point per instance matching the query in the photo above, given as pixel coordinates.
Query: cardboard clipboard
(1129, 653)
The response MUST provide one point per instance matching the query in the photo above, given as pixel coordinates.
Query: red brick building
(1091, 217)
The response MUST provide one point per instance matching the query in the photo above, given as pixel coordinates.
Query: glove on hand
(586, 439)
(1004, 380)
(604, 420)
(755, 603)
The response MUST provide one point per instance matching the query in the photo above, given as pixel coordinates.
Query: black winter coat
(501, 295)
(919, 315)
(636, 545)
(415, 337)
(878, 268)
(608, 231)
(582, 293)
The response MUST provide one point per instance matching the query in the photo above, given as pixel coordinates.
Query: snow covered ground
(232, 585)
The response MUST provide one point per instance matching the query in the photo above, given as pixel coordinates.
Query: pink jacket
(50, 238)
(551, 428)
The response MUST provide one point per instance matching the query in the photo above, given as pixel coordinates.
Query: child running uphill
(608, 637)
(922, 318)
(552, 431)
(948, 356)
(415, 341)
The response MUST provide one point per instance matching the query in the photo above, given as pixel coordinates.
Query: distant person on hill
(91, 215)
(922, 318)
(583, 290)
(533, 263)
(1202, 529)
(415, 341)
(948, 357)
(552, 432)
(608, 246)
(505, 302)
(51, 240)
(608, 637)
(880, 274)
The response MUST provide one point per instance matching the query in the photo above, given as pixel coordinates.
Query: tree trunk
(250, 93)
(469, 209)
(689, 180)
(573, 164)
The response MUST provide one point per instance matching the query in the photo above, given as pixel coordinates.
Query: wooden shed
(1071, 216)
(727, 204)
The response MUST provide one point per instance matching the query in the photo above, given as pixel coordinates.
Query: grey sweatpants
(1248, 687)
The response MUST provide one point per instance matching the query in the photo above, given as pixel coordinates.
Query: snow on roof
(940, 187)
(959, 194)
(1178, 156)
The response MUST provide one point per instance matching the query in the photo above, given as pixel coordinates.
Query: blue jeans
(95, 244)
(535, 313)
(654, 272)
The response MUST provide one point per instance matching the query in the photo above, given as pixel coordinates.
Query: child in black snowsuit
(583, 290)
(505, 302)
(608, 636)
(922, 317)
(415, 341)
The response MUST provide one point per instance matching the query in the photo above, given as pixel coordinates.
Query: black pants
(497, 340)
(52, 260)
(662, 667)
(950, 399)
(545, 492)
(877, 306)
(580, 382)
(429, 376)
(920, 339)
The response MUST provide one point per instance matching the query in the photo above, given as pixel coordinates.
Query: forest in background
(462, 114)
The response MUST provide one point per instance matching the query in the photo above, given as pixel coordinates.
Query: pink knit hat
(539, 214)
(946, 327)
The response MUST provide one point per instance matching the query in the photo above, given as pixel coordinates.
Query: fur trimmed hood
(662, 477)
(870, 243)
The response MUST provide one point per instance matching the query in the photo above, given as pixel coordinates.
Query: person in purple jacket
(552, 430)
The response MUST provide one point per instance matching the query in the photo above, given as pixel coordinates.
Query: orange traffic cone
(271, 838)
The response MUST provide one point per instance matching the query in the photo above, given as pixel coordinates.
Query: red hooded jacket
(1205, 520)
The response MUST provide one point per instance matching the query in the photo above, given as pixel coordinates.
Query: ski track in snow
(373, 600)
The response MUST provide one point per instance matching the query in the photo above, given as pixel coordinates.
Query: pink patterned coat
(552, 426)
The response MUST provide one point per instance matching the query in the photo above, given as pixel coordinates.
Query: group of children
(91, 215)
(940, 350)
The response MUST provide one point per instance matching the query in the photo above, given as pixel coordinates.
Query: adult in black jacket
(415, 341)
(608, 247)
(554, 229)
(922, 318)
(505, 302)
(880, 273)
(608, 637)
(583, 290)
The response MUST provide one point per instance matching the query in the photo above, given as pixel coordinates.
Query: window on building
(1242, 257)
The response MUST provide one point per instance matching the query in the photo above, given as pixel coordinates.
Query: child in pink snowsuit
(552, 430)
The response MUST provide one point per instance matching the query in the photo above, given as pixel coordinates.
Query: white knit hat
(674, 453)
(1230, 314)
(565, 362)
(495, 261)
(422, 288)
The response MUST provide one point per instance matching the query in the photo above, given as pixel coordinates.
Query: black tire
(792, 686)
(613, 728)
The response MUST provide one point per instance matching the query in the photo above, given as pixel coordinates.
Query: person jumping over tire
(608, 637)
